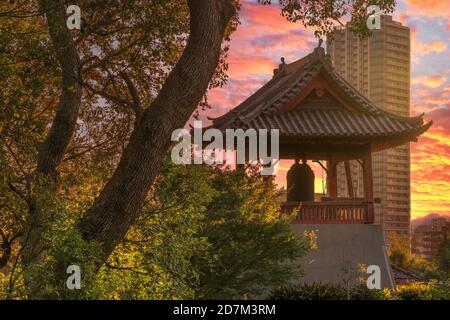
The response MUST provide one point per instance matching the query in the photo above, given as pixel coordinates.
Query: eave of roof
(262, 109)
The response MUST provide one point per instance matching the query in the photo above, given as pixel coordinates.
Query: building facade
(427, 238)
(379, 67)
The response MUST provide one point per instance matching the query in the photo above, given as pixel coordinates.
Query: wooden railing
(336, 211)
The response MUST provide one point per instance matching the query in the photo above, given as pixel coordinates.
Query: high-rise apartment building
(379, 67)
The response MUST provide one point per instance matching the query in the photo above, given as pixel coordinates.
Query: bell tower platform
(341, 250)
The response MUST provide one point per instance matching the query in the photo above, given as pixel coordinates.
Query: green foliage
(309, 292)
(208, 232)
(27, 77)
(414, 291)
(48, 279)
(251, 245)
(325, 15)
(155, 260)
(400, 256)
(361, 292)
(444, 257)
(64, 246)
(419, 291)
(205, 232)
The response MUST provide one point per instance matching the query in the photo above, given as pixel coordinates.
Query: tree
(129, 47)
(207, 232)
(444, 257)
(210, 232)
(252, 246)
(400, 256)
(399, 253)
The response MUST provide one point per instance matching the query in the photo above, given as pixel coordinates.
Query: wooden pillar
(348, 175)
(368, 178)
(332, 178)
(368, 185)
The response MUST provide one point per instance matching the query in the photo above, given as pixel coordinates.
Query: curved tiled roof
(264, 109)
(331, 123)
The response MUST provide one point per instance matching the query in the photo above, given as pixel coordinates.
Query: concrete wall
(341, 249)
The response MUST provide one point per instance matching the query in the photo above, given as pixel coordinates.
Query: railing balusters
(339, 211)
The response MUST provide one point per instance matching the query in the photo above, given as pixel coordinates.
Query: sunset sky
(264, 36)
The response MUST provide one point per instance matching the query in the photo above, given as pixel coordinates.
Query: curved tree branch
(116, 208)
(61, 131)
(137, 104)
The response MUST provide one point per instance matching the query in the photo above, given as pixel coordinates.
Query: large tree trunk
(115, 210)
(52, 149)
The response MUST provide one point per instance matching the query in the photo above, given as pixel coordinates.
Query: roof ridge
(373, 108)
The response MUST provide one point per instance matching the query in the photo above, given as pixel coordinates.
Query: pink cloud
(262, 38)
(428, 8)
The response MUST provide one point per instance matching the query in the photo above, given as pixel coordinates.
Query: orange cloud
(428, 8)
(430, 173)
(429, 81)
(430, 167)
(246, 66)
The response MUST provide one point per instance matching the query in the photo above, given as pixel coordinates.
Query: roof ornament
(319, 50)
(320, 43)
(283, 64)
(281, 67)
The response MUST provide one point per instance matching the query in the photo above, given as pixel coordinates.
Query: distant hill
(425, 219)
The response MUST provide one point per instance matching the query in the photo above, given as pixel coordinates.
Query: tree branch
(107, 96)
(52, 149)
(119, 203)
(89, 149)
(20, 194)
(137, 104)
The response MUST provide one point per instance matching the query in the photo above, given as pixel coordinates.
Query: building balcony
(331, 211)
